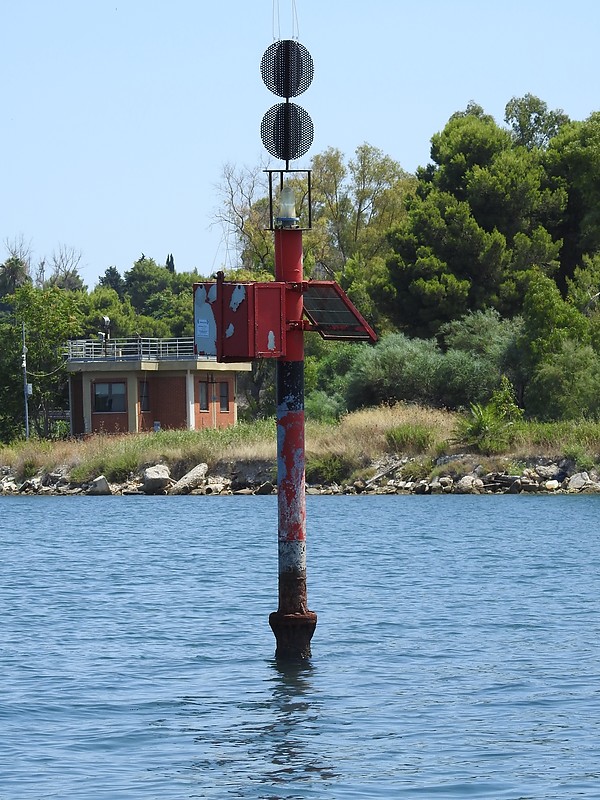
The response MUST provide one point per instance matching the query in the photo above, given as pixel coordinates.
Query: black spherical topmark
(287, 131)
(287, 68)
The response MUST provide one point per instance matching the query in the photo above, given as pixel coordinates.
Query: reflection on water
(297, 752)
(273, 737)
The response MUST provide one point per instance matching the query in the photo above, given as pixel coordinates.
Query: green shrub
(396, 369)
(461, 378)
(484, 430)
(417, 470)
(409, 438)
(323, 407)
(581, 458)
(504, 402)
(565, 385)
(28, 468)
(490, 428)
(329, 468)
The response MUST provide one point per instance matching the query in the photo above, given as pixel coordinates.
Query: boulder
(31, 485)
(465, 485)
(191, 480)
(515, 486)
(550, 472)
(422, 487)
(591, 488)
(99, 486)
(265, 488)
(156, 479)
(527, 485)
(577, 482)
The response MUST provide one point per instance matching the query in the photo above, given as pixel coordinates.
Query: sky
(118, 118)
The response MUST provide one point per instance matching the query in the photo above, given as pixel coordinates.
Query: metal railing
(131, 349)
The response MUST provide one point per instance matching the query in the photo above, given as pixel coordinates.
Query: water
(456, 656)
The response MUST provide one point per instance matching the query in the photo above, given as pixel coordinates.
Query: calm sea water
(457, 653)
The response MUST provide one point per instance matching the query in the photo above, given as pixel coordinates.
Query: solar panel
(333, 315)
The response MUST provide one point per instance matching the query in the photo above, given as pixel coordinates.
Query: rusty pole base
(293, 633)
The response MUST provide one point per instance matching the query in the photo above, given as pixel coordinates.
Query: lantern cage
(303, 198)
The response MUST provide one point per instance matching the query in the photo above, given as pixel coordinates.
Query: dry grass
(371, 428)
(365, 433)
(349, 449)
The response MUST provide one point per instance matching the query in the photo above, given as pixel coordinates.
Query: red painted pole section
(293, 624)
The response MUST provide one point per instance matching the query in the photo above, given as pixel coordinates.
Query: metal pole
(293, 624)
(25, 388)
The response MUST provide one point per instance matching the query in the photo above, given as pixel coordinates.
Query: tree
(112, 280)
(355, 204)
(474, 229)
(531, 123)
(13, 273)
(145, 279)
(244, 216)
(469, 139)
(160, 299)
(104, 301)
(572, 161)
(11, 381)
(444, 264)
(492, 339)
(549, 321)
(65, 269)
(51, 316)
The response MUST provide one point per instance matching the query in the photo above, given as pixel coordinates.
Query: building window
(224, 396)
(144, 396)
(203, 396)
(109, 398)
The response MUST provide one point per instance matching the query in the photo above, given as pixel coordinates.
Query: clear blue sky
(116, 118)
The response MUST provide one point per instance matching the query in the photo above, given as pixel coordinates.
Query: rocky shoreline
(459, 474)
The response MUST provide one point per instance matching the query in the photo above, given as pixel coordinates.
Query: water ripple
(456, 653)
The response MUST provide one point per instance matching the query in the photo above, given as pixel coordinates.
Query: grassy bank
(335, 452)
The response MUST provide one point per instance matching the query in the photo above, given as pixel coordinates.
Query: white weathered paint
(271, 341)
(237, 297)
(292, 556)
(205, 326)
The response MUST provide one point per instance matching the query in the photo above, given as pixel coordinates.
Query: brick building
(131, 385)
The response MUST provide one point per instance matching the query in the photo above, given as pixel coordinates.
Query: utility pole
(25, 385)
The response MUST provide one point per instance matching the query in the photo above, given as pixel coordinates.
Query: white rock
(465, 484)
(578, 481)
(191, 480)
(99, 486)
(156, 479)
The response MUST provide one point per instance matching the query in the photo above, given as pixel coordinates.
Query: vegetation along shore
(405, 448)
